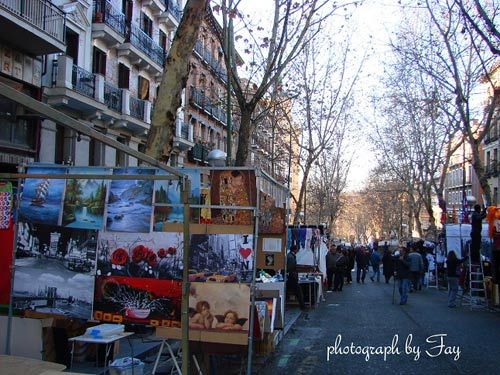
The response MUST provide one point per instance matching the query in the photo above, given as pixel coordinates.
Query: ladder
(477, 288)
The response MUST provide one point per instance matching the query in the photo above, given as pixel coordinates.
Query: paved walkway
(363, 314)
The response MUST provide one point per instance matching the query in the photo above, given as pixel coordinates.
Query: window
(163, 40)
(123, 76)
(72, 45)
(14, 130)
(143, 88)
(127, 10)
(122, 157)
(98, 62)
(146, 24)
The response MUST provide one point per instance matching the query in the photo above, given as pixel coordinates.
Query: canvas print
(41, 198)
(233, 188)
(168, 201)
(146, 255)
(84, 199)
(219, 307)
(223, 258)
(205, 213)
(119, 299)
(272, 218)
(130, 202)
(54, 269)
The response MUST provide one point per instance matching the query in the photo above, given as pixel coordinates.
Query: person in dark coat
(340, 270)
(331, 265)
(362, 260)
(388, 264)
(350, 265)
(292, 281)
(475, 234)
(452, 273)
(403, 274)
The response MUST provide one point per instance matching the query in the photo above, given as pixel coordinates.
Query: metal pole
(186, 189)
(13, 268)
(229, 45)
(252, 287)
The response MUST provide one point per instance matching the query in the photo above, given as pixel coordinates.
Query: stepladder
(476, 287)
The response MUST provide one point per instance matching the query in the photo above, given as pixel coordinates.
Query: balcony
(172, 15)
(142, 50)
(108, 23)
(112, 97)
(210, 60)
(183, 138)
(199, 153)
(157, 7)
(38, 21)
(492, 169)
(75, 88)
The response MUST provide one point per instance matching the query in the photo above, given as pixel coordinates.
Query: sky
(372, 22)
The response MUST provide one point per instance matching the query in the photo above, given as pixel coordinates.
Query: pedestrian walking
(403, 274)
(292, 281)
(388, 265)
(453, 274)
(362, 259)
(416, 269)
(475, 234)
(339, 271)
(375, 262)
(331, 264)
(350, 265)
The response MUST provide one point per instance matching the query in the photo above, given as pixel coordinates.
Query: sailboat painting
(41, 198)
(129, 206)
(84, 199)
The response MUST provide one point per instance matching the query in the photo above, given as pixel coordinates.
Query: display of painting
(82, 235)
(308, 240)
(69, 258)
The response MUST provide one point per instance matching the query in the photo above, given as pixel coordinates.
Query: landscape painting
(223, 258)
(137, 301)
(54, 270)
(41, 198)
(84, 199)
(129, 206)
(142, 255)
(233, 188)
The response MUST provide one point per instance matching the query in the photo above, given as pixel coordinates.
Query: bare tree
(294, 25)
(175, 75)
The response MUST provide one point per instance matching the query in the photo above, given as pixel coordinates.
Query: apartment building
(29, 30)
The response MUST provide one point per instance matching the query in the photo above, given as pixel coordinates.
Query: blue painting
(84, 199)
(41, 199)
(129, 206)
(168, 201)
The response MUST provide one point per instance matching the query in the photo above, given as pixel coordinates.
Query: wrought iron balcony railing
(145, 43)
(41, 14)
(173, 9)
(113, 97)
(104, 12)
(83, 81)
(137, 108)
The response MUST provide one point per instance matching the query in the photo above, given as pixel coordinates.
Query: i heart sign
(245, 252)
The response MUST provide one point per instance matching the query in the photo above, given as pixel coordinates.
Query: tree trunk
(244, 134)
(302, 196)
(175, 75)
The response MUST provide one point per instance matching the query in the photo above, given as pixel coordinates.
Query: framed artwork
(154, 302)
(55, 269)
(233, 188)
(41, 199)
(272, 218)
(146, 255)
(219, 307)
(129, 206)
(84, 199)
(223, 258)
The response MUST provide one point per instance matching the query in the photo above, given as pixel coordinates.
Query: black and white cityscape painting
(55, 269)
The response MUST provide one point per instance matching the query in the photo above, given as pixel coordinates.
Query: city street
(363, 314)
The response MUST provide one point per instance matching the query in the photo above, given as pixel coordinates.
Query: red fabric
(6, 241)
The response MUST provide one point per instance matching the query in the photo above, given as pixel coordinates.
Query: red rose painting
(119, 257)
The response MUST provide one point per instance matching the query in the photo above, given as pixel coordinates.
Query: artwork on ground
(272, 218)
(41, 198)
(223, 258)
(119, 299)
(54, 269)
(150, 255)
(84, 199)
(232, 188)
(220, 307)
(129, 206)
(168, 194)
